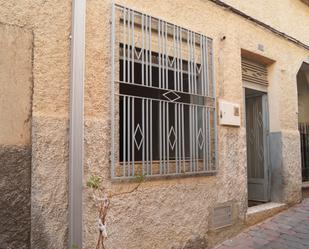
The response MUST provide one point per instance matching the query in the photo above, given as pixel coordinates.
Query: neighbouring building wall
(288, 16)
(15, 130)
(50, 23)
(177, 213)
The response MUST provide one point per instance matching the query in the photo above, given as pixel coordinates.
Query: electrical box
(229, 113)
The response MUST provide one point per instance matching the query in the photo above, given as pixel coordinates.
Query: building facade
(201, 100)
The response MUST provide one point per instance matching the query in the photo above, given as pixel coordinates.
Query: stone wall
(15, 145)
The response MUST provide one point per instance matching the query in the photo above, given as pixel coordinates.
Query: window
(163, 99)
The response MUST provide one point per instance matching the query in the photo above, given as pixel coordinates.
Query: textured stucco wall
(175, 213)
(15, 144)
(50, 23)
(285, 166)
(15, 168)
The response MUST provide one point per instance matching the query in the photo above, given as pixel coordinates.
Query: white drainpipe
(76, 124)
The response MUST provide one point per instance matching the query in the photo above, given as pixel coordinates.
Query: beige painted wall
(303, 96)
(288, 16)
(15, 85)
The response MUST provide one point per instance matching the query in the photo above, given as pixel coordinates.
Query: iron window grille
(163, 98)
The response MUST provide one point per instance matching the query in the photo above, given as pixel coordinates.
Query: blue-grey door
(257, 147)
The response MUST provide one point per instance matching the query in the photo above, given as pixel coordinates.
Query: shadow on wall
(15, 183)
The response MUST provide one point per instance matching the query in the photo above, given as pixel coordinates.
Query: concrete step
(305, 189)
(261, 212)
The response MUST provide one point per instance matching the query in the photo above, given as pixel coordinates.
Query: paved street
(287, 230)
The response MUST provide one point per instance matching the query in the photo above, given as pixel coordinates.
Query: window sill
(164, 177)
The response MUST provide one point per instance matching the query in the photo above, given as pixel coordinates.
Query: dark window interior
(154, 92)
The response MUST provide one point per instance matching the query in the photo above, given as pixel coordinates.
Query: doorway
(257, 130)
(303, 117)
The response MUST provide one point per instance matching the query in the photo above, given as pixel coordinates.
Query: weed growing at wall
(102, 199)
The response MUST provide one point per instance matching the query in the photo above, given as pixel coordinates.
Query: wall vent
(222, 216)
(254, 72)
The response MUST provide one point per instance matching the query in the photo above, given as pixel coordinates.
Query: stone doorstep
(261, 212)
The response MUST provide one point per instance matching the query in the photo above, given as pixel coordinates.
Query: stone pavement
(287, 230)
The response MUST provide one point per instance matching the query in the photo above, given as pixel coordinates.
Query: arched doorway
(303, 117)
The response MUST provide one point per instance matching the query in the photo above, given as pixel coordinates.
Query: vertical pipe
(76, 124)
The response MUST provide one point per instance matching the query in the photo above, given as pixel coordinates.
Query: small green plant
(139, 178)
(94, 182)
(74, 246)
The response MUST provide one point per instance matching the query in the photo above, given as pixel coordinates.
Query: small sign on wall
(229, 113)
